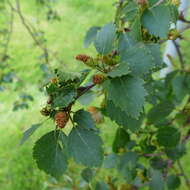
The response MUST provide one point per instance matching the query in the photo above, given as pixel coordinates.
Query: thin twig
(9, 34)
(83, 92)
(177, 47)
(183, 174)
(30, 31)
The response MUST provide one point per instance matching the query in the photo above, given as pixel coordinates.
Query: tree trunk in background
(170, 48)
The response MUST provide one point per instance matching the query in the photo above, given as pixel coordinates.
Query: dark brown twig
(177, 46)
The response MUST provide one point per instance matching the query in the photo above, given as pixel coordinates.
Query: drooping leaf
(84, 119)
(127, 93)
(101, 186)
(121, 118)
(173, 182)
(179, 87)
(87, 174)
(50, 153)
(121, 139)
(91, 36)
(105, 38)
(159, 112)
(86, 147)
(157, 180)
(157, 20)
(127, 166)
(28, 133)
(168, 136)
(177, 152)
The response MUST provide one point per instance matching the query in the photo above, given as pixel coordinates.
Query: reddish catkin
(98, 79)
(142, 2)
(61, 119)
(82, 57)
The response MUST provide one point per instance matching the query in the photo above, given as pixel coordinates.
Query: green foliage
(123, 77)
(121, 140)
(50, 153)
(85, 147)
(171, 133)
(127, 93)
(157, 20)
(84, 119)
(104, 42)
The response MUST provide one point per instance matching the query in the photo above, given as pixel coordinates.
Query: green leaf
(76, 77)
(84, 119)
(111, 161)
(158, 163)
(126, 41)
(179, 87)
(173, 182)
(120, 70)
(176, 152)
(157, 20)
(128, 159)
(130, 11)
(174, 13)
(90, 36)
(156, 54)
(127, 166)
(136, 29)
(105, 39)
(65, 97)
(121, 139)
(121, 118)
(127, 93)
(86, 147)
(87, 174)
(157, 180)
(102, 186)
(168, 136)
(159, 112)
(141, 58)
(29, 132)
(50, 153)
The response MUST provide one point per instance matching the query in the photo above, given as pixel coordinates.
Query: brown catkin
(98, 79)
(61, 119)
(142, 2)
(82, 57)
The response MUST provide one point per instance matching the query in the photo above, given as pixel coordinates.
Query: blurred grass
(18, 171)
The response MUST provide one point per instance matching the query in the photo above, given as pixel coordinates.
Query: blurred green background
(18, 170)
